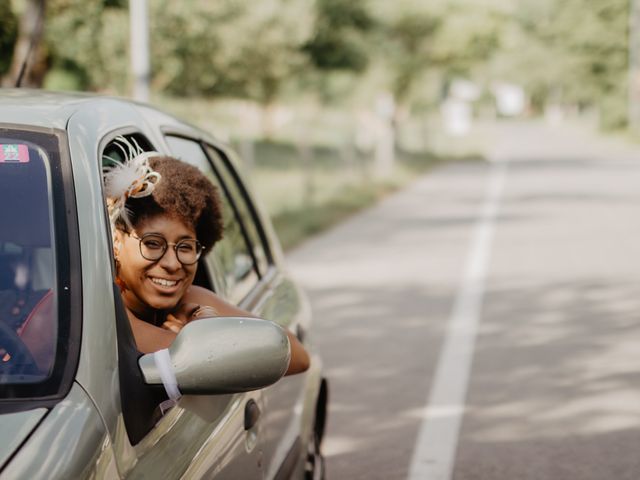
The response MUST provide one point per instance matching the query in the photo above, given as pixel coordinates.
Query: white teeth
(163, 282)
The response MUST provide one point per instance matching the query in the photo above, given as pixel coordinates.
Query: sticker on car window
(14, 153)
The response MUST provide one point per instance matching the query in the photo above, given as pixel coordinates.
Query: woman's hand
(204, 311)
(173, 323)
(185, 313)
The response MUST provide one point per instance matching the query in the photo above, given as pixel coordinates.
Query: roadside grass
(294, 225)
(305, 199)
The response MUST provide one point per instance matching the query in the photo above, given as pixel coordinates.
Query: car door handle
(251, 414)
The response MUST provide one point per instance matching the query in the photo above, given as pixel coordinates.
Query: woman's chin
(163, 298)
(163, 302)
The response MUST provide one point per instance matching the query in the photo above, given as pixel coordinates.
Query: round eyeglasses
(154, 246)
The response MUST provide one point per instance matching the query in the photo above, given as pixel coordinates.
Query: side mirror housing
(224, 355)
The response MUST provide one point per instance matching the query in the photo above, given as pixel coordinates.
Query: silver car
(77, 400)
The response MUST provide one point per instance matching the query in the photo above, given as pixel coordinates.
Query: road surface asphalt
(541, 380)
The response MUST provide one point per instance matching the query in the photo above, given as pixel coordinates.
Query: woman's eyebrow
(187, 237)
(182, 237)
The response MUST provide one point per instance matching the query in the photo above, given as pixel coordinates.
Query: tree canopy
(574, 51)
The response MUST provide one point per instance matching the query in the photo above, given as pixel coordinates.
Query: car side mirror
(224, 355)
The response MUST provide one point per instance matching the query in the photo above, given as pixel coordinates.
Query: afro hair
(184, 193)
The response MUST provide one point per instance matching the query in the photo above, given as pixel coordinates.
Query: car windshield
(29, 326)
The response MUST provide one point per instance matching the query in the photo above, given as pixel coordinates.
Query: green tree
(230, 48)
(436, 41)
(219, 48)
(87, 42)
(339, 40)
(562, 57)
(412, 38)
(187, 46)
(198, 48)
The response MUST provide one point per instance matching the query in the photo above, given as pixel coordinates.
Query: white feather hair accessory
(127, 177)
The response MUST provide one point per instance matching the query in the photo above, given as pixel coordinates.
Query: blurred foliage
(339, 39)
(228, 48)
(87, 44)
(8, 34)
(412, 39)
(304, 201)
(570, 52)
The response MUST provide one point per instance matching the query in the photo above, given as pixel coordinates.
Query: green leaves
(339, 40)
(238, 48)
(87, 43)
(570, 51)
(574, 51)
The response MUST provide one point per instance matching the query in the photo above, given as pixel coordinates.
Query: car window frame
(240, 183)
(236, 211)
(68, 272)
(202, 144)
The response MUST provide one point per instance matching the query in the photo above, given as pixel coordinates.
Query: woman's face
(160, 284)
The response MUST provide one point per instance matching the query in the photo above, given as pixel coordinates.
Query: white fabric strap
(162, 360)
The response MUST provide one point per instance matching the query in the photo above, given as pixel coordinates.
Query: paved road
(484, 323)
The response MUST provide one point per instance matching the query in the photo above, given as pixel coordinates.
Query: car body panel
(202, 436)
(15, 428)
(73, 425)
(289, 400)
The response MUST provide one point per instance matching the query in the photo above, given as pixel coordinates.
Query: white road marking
(435, 448)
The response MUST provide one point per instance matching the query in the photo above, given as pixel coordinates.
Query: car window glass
(244, 210)
(28, 292)
(232, 253)
(114, 153)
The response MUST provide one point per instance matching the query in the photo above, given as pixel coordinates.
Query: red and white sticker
(14, 153)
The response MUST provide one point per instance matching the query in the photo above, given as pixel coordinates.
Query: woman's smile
(155, 284)
(164, 282)
(165, 285)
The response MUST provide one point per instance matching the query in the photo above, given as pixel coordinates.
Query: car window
(233, 253)
(236, 192)
(33, 336)
(114, 152)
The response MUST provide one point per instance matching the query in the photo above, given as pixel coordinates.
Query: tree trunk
(27, 47)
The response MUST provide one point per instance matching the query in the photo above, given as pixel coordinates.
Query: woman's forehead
(167, 225)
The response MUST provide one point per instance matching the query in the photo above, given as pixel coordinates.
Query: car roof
(42, 108)
(49, 109)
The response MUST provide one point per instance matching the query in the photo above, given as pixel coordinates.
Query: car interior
(27, 304)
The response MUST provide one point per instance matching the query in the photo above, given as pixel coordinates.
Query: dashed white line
(434, 452)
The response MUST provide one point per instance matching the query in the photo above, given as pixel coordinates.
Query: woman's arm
(206, 298)
(149, 338)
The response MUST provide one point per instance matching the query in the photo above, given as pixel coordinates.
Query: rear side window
(34, 290)
(233, 254)
(114, 153)
(243, 207)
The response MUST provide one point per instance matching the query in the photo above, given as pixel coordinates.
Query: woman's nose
(170, 261)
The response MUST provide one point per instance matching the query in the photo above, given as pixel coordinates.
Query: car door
(274, 297)
(201, 437)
